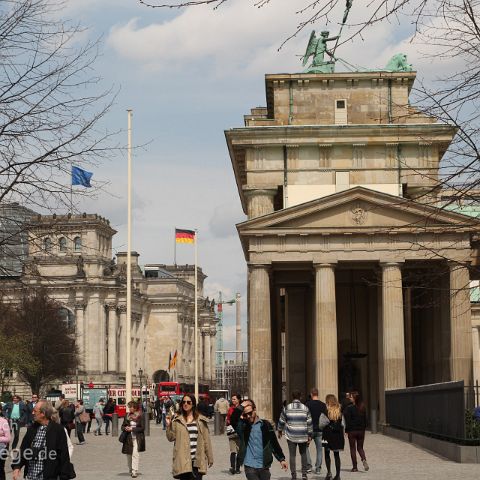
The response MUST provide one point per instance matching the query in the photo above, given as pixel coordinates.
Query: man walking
(17, 415)
(44, 450)
(296, 422)
(316, 407)
(30, 408)
(222, 406)
(258, 443)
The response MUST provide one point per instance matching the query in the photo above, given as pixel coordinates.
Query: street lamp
(140, 374)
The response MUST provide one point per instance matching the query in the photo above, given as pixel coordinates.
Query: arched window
(62, 244)
(47, 244)
(77, 241)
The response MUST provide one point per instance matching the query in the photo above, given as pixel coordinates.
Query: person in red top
(233, 440)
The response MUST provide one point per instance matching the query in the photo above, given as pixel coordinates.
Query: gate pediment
(360, 209)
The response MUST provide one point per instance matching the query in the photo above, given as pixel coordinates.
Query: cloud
(229, 40)
(224, 218)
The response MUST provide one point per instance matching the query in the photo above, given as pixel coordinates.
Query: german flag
(184, 236)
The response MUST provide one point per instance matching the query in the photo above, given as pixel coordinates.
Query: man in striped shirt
(296, 423)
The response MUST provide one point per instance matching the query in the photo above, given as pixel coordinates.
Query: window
(341, 112)
(47, 244)
(62, 244)
(77, 242)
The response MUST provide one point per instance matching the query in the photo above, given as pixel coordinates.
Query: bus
(118, 395)
(166, 389)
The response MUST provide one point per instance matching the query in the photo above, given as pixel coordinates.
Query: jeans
(107, 419)
(15, 426)
(98, 430)
(257, 473)
(292, 450)
(80, 427)
(2, 465)
(356, 439)
(164, 421)
(317, 439)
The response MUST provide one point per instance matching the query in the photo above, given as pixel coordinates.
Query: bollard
(373, 421)
(216, 423)
(115, 425)
(146, 420)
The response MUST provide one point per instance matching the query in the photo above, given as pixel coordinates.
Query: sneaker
(354, 469)
(309, 470)
(317, 470)
(365, 465)
(134, 474)
(329, 476)
(304, 477)
(232, 471)
(237, 470)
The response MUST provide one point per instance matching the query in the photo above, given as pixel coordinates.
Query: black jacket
(355, 420)
(56, 465)
(269, 439)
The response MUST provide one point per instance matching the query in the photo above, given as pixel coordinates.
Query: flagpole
(71, 188)
(175, 246)
(196, 316)
(128, 370)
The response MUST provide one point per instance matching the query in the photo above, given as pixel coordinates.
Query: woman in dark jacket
(355, 425)
(108, 411)
(333, 435)
(134, 442)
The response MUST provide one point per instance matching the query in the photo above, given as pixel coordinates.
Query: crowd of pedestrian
(252, 440)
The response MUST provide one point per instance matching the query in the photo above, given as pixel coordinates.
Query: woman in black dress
(333, 435)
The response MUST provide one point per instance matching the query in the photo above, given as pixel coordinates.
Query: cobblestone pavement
(100, 458)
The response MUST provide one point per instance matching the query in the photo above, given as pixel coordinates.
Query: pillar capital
(330, 265)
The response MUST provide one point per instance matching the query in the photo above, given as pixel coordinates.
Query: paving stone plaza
(388, 458)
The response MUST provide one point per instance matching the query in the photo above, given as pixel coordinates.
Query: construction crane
(220, 304)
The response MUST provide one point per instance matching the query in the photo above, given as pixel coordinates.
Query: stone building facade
(356, 277)
(71, 256)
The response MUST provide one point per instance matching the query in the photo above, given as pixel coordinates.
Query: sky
(189, 75)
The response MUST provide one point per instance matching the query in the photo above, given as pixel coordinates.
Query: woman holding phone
(192, 452)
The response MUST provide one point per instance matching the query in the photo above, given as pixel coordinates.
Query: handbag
(231, 433)
(84, 417)
(71, 471)
(123, 437)
(323, 421)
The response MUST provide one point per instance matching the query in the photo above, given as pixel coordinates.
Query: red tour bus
(118, 394)
(165, 389)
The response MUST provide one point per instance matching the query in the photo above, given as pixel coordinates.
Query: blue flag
(81, 177)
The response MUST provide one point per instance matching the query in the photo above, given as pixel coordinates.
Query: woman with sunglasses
(192, 451)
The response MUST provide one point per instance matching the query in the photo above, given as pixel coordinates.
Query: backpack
(66, 415)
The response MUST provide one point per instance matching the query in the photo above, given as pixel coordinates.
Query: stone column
(122, 340)
(393, 334)
(200, 354)
(460, 324)
(260, 340)
(326, 348)
(476, 354)
(206, 345)
(80, 333)
(260, 201)
(393, 327)
(213, 343)
(112, 337)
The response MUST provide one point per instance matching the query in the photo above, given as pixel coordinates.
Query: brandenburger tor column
(326, 355)
(260, 340)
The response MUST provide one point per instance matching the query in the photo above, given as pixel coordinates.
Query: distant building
(71, 256)
(14, 220)
(233, 377)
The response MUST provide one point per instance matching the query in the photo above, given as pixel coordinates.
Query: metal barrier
(436, 410)
(146, 419)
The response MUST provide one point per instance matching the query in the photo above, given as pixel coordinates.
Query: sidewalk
(389, 459)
